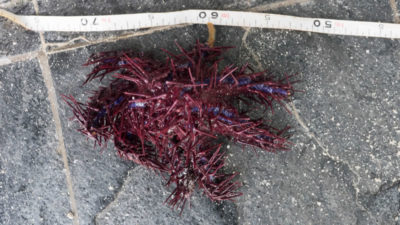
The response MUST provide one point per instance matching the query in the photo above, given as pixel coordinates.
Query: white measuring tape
(217, 17)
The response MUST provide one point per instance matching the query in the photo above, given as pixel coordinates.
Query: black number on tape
(214, 15)
(328, 24)
(85, 21)
(202, 15)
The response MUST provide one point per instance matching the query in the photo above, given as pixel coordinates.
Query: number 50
(328, 24)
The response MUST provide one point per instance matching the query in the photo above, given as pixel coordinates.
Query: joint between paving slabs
(67, 46)
(18, 58)
(52, 97)
(393, 6)
(43, 62)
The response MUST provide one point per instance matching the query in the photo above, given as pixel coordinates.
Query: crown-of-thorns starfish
(167, 115)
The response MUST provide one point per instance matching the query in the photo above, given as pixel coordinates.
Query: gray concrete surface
(345, 160)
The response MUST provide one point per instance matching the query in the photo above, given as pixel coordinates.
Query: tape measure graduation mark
(217, 17)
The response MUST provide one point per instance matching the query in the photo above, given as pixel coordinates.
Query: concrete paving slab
(32, 180)
(13, 38)
(141, 202)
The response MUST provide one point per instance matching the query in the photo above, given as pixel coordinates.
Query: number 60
(214, 15)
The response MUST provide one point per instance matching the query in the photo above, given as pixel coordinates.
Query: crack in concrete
(116, 195)
(66, 43)
(384, 188)
(244, 43)
(393, 6)
(326, 153)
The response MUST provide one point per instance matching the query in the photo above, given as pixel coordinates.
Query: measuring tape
(217, 17)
